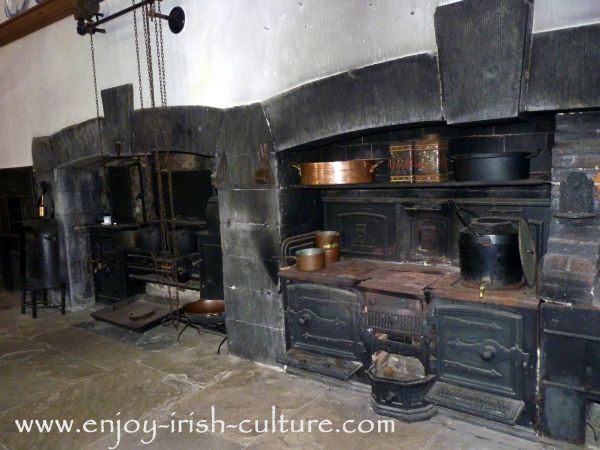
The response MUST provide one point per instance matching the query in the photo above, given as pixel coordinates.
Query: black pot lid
(528, 252)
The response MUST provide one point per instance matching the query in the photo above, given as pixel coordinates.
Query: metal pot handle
(298, 167)
(457, 211)
(376, 165)
(285, 257)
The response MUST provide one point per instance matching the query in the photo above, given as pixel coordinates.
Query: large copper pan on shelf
(356, 171)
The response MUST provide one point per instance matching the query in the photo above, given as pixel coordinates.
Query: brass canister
(401, 163)
(430, 163)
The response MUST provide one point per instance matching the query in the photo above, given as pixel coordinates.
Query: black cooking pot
(488, 249)
(491, 166)
(185, 238)
(149, 238)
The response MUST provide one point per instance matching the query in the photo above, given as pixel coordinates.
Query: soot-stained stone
(570, 268)
(569, 247)
(575, 122)
(117, 103)
(483, 49)
(476, 144)
(564, 69)
(77, 142)
(194, 129)
(300, 206)
(255, 342)
(256, 307)
(534, 124)
(243, 169)
(285, 172)
(256, 241)
(43, 157)
(255, 274)
(413, 134)
(257, 206)
(400, 91)
(559, 291)
(244, 128)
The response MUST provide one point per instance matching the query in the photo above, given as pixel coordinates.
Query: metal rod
(158, 15)
(90, 26)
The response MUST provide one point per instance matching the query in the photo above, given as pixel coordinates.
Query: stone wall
(570, 268)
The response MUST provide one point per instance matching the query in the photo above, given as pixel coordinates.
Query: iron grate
(387, 322)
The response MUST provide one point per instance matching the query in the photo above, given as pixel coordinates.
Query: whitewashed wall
(231, 52)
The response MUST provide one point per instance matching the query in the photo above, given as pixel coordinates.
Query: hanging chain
(137, 55)
(162, 160)
(148, 45)
(96, 93)
(162, 58)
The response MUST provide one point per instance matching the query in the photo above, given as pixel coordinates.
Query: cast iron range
(398, 335)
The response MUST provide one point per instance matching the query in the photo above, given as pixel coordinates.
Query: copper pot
(330, 242)
(310, 259)
(205, 307)
(206, 312)
(332, 253)
(356, 171)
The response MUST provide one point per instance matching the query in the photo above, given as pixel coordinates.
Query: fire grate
(395, 323)
(331, 366)
(477, 403)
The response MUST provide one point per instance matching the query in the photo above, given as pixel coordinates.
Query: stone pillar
(255, 218)
(570, 266)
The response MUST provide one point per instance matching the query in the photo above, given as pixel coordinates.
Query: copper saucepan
(330, 242)
(356, 171)
(308, 259)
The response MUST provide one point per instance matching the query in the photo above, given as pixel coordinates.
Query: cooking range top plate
(409, 279)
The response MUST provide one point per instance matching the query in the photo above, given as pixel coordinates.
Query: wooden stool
(34, 290)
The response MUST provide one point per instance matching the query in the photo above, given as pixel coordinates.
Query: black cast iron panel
(481, 348)
(322, 319)
(366, 229)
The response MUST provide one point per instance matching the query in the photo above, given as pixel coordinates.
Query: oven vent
(395, 323)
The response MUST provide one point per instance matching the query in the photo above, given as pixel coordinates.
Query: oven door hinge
(520, 359)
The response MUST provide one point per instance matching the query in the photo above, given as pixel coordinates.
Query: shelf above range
(536, 180)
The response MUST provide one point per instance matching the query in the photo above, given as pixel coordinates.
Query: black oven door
(322, 319)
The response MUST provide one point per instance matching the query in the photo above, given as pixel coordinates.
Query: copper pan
(330, 242)
(205, 307)
(307, 259)
(356, 171)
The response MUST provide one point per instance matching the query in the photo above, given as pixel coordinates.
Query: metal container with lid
(494, 254)
(489, 253)
(402, 162)
(499, 166)
(40, 253)
(430, 163)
